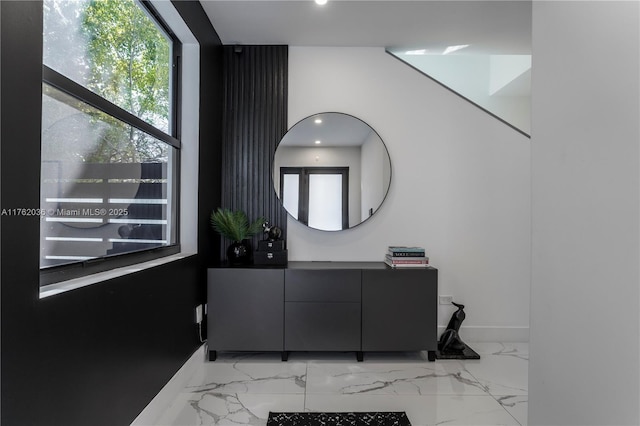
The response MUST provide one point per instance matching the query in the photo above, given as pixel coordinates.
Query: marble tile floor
(241, 389)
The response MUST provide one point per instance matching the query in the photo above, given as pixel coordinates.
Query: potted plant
(235, 226)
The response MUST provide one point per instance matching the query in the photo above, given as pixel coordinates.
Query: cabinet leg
(359, 356)
(285, 356)
(431, 355)
(212, 355)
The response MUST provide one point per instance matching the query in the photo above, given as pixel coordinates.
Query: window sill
(64, 286)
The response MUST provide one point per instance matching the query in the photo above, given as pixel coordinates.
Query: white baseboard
(492, 334)
(152, 412)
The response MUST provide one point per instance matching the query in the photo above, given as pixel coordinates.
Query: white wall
(584, 343)
(460, 184)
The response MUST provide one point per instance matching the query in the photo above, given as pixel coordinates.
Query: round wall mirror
(331, 171)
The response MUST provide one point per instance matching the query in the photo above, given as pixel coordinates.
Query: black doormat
(339, 419)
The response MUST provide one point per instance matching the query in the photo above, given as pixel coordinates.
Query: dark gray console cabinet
(322, 306)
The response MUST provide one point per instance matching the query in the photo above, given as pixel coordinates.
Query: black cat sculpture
(450, 341)
(451, 345)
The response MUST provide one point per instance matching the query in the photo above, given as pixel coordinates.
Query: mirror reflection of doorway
(317, 196)
(332, 139)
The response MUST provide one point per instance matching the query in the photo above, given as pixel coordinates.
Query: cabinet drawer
(320, 326)
(342, 285)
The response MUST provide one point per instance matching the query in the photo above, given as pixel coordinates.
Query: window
(110, 150)
(116, 49)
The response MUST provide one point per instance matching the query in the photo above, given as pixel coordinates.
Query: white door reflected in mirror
(325, 202)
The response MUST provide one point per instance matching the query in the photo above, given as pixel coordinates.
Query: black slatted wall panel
(254, 121)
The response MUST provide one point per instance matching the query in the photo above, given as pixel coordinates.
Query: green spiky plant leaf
(235, 225)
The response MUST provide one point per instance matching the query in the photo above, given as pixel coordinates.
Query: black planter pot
(239, 253)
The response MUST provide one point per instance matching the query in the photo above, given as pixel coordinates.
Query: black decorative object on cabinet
(254, 121)
(271, 251)
(239, 253)
(273, 233)
(235, 227)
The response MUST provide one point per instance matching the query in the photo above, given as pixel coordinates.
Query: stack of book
(406, 257)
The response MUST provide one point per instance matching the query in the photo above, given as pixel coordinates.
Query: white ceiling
(489, 27)
(335, 129)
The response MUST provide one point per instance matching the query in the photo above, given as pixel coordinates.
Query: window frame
(57, 274)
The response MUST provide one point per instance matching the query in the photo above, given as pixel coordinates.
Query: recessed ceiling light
(416, 52)
(318, 142)
(318, 120)
(321, 2)
(451, 49)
